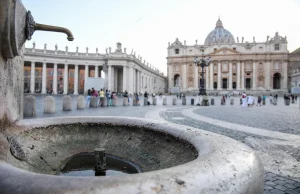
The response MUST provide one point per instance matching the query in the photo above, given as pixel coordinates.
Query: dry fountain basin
(143, 156)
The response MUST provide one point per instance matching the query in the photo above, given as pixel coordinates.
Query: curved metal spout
(44, 27)
(31, 26)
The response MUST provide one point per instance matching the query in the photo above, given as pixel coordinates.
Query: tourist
(250, 101)
(271, 99)
(244, 100)
(145, 94)
(107, 94)
(137, 99)
(126, 95)
(88, 98)
(259, 101)
(101, 94)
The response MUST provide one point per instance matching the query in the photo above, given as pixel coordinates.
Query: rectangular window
(276, 47)
(234, 74)
(234, 48)
(36, 73)
(248, 73)
(176, 51)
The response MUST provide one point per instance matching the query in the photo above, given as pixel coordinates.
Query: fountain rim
(221, 160)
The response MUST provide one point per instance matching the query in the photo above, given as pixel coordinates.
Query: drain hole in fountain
(83, 164)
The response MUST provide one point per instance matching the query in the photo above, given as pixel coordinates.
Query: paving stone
(290, 186)
(269, 183)
(279, 182)
(276, 191)
(291, 192)
(290, 181)
(280, 187)
(267, 187)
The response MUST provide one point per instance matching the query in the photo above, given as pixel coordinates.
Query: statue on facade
(253, 39)
(66, 48)
(196, 42)
(56, 47)
(134, 54)
(125, 50)
(33, 45)
(87, 49)
(268, 38)
(77, 49)
(45, 46)
(184, 42)
(106, 51)
(96, 50)
(177, 82)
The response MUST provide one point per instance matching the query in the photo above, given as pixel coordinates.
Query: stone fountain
(164, 157)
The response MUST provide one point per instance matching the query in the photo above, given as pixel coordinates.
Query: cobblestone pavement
(274, 182)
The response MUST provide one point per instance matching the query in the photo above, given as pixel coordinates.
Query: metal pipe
(44, 27)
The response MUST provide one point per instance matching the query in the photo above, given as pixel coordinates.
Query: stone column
(230, 75)
(32, 78)
(196, 79)
(124, 78)
(66, 79)
(254, 75)
(55, 78)
(109, 79)
(243, 76)
(76, 80)
(170, 76)
(219, 75)
(268, 76)
(44, 78)
(86, 75)
(285, 75)
(184, 87)
(96, 71)
(238, 76)
(211, 76)
(207, 78)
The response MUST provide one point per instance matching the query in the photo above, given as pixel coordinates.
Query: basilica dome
(219, 35)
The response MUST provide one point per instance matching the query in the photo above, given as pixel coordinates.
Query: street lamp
(203, 62)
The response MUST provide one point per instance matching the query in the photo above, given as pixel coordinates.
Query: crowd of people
(101, 94)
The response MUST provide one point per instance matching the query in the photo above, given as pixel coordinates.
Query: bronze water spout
(31, 26)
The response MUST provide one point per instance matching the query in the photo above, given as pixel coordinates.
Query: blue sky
(146, 26)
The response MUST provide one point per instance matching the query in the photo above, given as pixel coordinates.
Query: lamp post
(203, 62)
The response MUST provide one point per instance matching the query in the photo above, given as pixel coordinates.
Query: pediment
(225, 51)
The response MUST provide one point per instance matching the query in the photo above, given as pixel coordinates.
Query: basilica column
(219, 75)
(243, 76)
(124, 78)
(254, 75)
(196, 79)
(96, 71)
(109, 79)
(170, 76)
(55, 78)
(206, 78)
(268, 76)
(230, 75)
(238, 76)
(66, 79)
(184, 77)
(211, 76)
(86, 75)
(76, 80)
(44, 78)
(285, 75)
(32, 78)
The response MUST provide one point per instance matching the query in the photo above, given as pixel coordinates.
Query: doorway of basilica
(248, 83)
(224, 83)
(276, 81)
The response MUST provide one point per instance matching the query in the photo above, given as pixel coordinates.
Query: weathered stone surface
(93, 102)
(174, 101)
(67, 103)
(49, 105)
(212, 101)
(164, 101)
(154, 99)
(183, 101)
(125, 101)
(29, 106)
(16, 149)
(145, 101)
(80, 102)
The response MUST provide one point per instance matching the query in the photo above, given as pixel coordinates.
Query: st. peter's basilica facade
(237, 65)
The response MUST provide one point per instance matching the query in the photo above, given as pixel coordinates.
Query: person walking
(244, 100)
(107, 94)
(258, 101)
(88, 98)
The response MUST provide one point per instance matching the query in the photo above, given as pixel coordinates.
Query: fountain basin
(173, 158)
